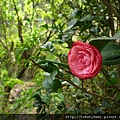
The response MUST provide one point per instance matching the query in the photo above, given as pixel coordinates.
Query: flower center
(80, 58)
(83, 59)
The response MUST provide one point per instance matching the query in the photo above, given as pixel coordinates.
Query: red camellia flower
(84, 60)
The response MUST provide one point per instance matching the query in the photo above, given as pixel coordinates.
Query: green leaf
(45, 26)
(27, 19)
(117, 35)
(105, 103)
(49, 66)
(111, 54)
(76, 80)
(85, 27)
(94, 18)
(95, 29)
(74, 12)
(51, 85)
(48, 46)
(117, 98)
(111, 62)
(45, 98)
(72, 23)
(38, 101)
(61, 96)
(100, 43)
(111, 51)
(112, 81)
(85, 17)
(54, 73)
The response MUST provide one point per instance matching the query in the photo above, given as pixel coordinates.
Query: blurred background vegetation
(35, 37)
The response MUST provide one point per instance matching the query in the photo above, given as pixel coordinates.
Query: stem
(82, 95)
(82, 84)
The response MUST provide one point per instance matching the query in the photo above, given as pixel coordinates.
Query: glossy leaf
(85, 17)
(72, 23)
(111, 54)
(76, 81)
(76, 12)
(100, 43)
(48, 46)
(51, 85)
(117, 35)
(54, 73)
(111, 62)
(45, 98)
(111, 51)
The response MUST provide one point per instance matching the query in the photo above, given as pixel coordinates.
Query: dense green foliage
(35, 37)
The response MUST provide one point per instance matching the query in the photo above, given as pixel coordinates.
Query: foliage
(35, 37)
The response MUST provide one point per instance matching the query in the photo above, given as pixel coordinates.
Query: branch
(3, 45)
(76, 86)
(22, 71)
(27, 57)
(19, 23)
(113, 11)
